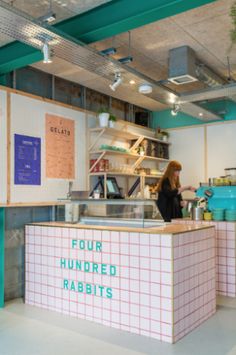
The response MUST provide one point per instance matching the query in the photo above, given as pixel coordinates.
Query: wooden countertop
(31, 204)
(167, 229)
(188, 219)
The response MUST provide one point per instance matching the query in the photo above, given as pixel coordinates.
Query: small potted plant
(103, 115)
(158, 134)
(165, 135)
(112, 120)
(162, 135)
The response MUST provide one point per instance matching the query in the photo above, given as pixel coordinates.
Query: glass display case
(113, 212)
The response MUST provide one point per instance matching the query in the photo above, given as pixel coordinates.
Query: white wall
(221, 148)
(28, 118)
(204, 156)
(3, 147)
(187, 146)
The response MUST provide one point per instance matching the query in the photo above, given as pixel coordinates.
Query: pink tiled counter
(158, 285)
(225, 255)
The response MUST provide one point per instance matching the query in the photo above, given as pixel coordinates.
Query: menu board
(27, 160)
(60, 147)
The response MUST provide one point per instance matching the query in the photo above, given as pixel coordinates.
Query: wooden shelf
(124, 174)
(128, 155)
(114, 173)
(156, 140)
(153, 176)
(124, 134)
(115, 132)
(116, 152)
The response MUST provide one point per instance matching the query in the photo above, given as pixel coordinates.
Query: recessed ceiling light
(145, 89)
(200, 114)
(132, 82)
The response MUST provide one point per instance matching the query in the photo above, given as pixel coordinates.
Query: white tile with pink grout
(225, 255)
(157, 285)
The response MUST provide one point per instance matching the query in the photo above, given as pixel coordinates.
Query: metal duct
(185, 68)
(208, 77)
(223, 91)
(23, 28)
(182, 65)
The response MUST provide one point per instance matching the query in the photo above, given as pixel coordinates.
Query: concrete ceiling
(205, 29)
(63, 9)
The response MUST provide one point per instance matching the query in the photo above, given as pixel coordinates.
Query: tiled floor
(25, 330)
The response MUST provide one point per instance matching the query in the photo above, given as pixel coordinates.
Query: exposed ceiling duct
(185, 68)
(219, 92)
(23, 28)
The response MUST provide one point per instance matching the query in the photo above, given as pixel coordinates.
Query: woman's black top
(168, 202)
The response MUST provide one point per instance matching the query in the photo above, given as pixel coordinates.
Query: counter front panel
(158, 285)
(225, 254)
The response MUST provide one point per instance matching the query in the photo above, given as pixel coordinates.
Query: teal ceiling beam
(123, 15)
(16, 55)
(99, 23)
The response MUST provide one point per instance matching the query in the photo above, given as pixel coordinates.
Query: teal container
(218, 214)
(230, 215)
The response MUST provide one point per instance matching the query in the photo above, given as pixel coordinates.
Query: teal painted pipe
(2, 268)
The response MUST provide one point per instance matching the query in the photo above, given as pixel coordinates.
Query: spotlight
(117, 81)
(126, 60)
(48, 17)
(145, 89)
(172, 98)
(108, 51)
(175, 110)
(46, 53)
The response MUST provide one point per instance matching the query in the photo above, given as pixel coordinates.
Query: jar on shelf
(96, 168)
(106, 164)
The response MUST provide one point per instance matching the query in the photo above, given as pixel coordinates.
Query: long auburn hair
(169, 174)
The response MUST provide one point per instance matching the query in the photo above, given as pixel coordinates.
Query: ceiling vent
(182, 65)
(185, 68)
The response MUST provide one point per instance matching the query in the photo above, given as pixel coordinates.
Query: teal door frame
(2, 267)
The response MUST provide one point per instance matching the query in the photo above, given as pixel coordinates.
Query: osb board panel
(60, 147)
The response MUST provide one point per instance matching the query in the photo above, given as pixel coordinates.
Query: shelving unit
(134, 160)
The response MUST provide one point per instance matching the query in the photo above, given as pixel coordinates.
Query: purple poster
(27, 160)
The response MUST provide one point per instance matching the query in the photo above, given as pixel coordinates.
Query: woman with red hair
(170, 202)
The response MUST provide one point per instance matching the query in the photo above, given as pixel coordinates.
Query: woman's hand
(186, 188)
(183, 188)
(193, 189)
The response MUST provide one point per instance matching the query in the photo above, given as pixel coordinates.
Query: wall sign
(27, 160)
(60, 147)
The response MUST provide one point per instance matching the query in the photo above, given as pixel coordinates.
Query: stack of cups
(218, 214)
(230, 215)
